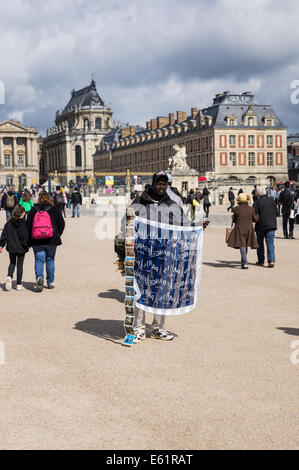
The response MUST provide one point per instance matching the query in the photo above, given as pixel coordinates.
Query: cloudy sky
(148, 57)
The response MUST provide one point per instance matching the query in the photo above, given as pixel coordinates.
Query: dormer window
(268, 120)
(250, 122)
(231, 120)
(249, 118)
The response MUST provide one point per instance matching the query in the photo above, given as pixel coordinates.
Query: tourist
(26, 201)
(8, 202)
(287, 198)
(265, 227)
(254, 194)
(242, 235)
(194, 201)
(206, 201)
(60, 200)
(271, 192)
(46, 225)
(231, 198)
(15, 238)
(76, 201)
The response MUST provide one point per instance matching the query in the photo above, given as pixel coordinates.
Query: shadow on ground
(110, 330)
(227, 264)
(113, 294)
(289, 331)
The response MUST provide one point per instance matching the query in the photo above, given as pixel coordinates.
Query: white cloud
(148, 57)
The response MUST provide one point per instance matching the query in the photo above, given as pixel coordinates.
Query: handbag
(228, 231)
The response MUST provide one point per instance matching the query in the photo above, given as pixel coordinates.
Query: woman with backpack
(15, 237)
(26, 201)
(45, 225)
(8, 202)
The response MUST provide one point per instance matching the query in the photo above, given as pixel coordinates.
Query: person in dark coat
(8, 202)
(76, 202)
(15, 238)
(287, 200)
(242, 236)
(231, 198)
(45, 249)
(266, 210)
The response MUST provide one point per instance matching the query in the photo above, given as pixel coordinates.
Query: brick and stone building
(233, 140)
(18, 154)
(69, 146)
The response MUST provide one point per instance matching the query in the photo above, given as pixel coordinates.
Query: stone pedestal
(184, 179)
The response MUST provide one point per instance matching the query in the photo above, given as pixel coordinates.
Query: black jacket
(15, 236)
(286, 198)
(4, 199)
(58, 225)
(76, 198)
(265, 208)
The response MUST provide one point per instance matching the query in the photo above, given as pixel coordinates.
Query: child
(15, 237)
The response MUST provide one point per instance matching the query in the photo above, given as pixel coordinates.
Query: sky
(148, 57)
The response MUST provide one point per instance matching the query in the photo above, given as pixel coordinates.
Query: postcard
(129, 321)
(129, 281)
(130, 291)
(129, 252)
(128, 341)
(129, 311)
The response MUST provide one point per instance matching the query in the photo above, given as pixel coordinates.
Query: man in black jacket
(8, 202)
(76, 201)
(265, 208)
(287, 199)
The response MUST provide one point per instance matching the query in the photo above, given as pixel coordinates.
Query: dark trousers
(206, 208)
(285, 219)
(232, 203)
(18, 260)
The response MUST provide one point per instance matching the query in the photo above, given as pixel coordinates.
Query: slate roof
(87, 96)
(238, 105)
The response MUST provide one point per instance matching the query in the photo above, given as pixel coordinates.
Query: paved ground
(225, 382)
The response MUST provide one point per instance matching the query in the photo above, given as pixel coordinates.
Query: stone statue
(178, 161)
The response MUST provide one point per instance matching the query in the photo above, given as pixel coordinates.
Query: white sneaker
(19, 287)
(140, 336)
(8, 283)
(160, 333)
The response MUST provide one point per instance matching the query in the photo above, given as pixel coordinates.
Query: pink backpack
(42, 225)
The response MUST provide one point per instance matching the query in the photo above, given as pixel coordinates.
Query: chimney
(125, 132)
(227, 92)
(162, 121)
(153, 124)
(148, 126)
(193, 112)
(181, 116)
(132, 130)
(171, 119)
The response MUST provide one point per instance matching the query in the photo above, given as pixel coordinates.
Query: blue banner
(167, 267)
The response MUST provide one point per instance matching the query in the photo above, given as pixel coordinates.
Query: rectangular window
(20, 141)
(9, 180)
(251, 159)
(7, 141)
(269, 122)
(250, 121)
(7, 161)
(269, 139)
(231, 122)
(21, 160)
(232, 140)
(251, 140)
(269, 159)
(233, 158)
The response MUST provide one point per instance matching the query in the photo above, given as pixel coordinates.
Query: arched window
(98, 123)
(78, 155)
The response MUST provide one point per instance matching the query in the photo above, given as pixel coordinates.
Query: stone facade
(233, 140)
(18, 154)
(69, 146)
(293, 157)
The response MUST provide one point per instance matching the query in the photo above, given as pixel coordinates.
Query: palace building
(18, 154)
(234, 139)
(69, 146)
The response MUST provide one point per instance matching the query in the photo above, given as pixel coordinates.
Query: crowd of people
(267, 203)
(35, 219)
